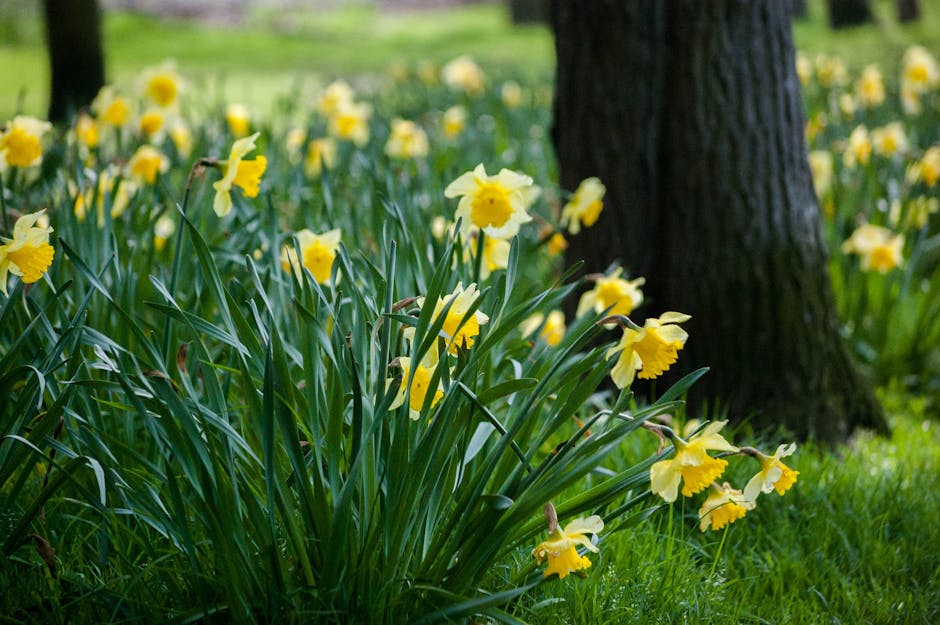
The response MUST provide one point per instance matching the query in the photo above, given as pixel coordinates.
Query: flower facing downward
(495, 204)
(495, 253)
(584, 206)
(420, 385)
(146, 163)
(320, 152)
(773, 474)
(552, 327)
(407, 140)
(318, 251)
(21, 142)
(560, 548)
(614, 293)
(28, 254)
(691, 465)
(651, 350)
(242, 173)
(724, 505)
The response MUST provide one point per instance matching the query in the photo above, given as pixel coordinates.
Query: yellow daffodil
(495, 253)
(238, 118)
(848, 105)
(420, 385)
(584, 206)
(86, 130)
(773, 474)
(318, 251)
(162, 84)
(910, 101)
(162, 231)
(182, 137)
(406, 140)
(551, 328)
(28, 254)
(441, 228)
(561, 547)
(151, 123)
(458, 332)
(858, 149)
(723, 506)
(830, 71)
(334, 98)
(463, 74)
(614, 293)
(111, 108)
(351, 123)
(107, 186)
(820, 164)
(879, 248)
(804, 68)
(815, 125)
(21, 141)
(511, 94)
(455, 120)
(557, 244)
(870, 87)
(919, 71)
(239, 172)
(927, 168)
(889, 140)
(293, 142)
(320, 152)
(651, 350)
(146, 163)
(495, 204)
(919, 210)
(691, 465)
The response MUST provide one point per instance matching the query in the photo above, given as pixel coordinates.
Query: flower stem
(721, 545)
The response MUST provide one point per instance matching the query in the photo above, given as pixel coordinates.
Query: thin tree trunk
(73, 37)
(710, 197)
(846, 13)
(908, 10)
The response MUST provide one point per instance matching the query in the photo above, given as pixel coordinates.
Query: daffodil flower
(146, 163)
(724, 505)
(111, 108)
(651, 350)
(318, 251)
(406, 140)
(351, 123)
(495, 204)
(495, 254)
(584, 206)
(879, 248)
(242, 173)
(773, 474)
(336, 96)
(691, 465)
(612, 293)
(561, 547)
(458, 332)
(161, 84)
(420, 384)
(463, 74)
(28, 254)
(454, 121)
(21, 142)
(320, 152)
(552, 327)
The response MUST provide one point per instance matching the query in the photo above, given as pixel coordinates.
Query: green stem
(721, 545)
(177, 261)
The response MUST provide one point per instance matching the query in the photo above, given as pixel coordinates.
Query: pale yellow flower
(351, 123)
(294, 141)
(495, 204)
(511, 94)
(239, 172)
(870, 87)
(86, 130)
(238, 118)
(879, 248)
(111, 108)
(830, 71)
(162, 84)
(151, 123)
(919, 210)
(420, 385)
(927, 168)
(463, 74)
(337, 96)
(21, 141)
(651, 350)
(320, 152)
(804, 68)
(820, 164)
(406, 140)
(614, 293)
(910, 101)
(919, 71)
(551, 328)
(858, 149)
(146, 163)
(691, 465)
(561, 547)
(458, 332)
(455, 120)
(848, 105)
(495, 253)
(182, 137)
(28, 254)
(162, 231)
(773, 474)
(557, 244)
(723, 506)
(889, 140)
(584, 206)
(317, 253)
(104, 188)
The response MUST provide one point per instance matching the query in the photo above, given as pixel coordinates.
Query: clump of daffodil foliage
(315, 364)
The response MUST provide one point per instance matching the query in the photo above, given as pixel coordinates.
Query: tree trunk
(908, 10)
(692, 116)
(73, 36)
(846, 13)
(798, 8)
(528, 11)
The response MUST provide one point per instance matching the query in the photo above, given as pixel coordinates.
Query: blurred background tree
(76, 60)
(691, 114)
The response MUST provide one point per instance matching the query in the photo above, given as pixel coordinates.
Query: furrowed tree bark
(696, 128)
(73, 38)
(908, 10)
(846, 13)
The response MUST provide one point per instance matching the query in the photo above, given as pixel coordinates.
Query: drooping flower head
(584, 206)
(614, 293)
(318, 251)
(495, 204)
(561, 547)
(458, 332)
(723, 506)
(691, 465)
(420, 384)
(495, 253)
(320, 152)
(773, 474)
(351, 123)
(879, 248)
(927, 168)
(407, 140)
(28, 254)
(237, 171)
(551, 328)
(463, 74)
(651, 350)
(161, 84)
(146, 163)
(21, 141)
(182, 137)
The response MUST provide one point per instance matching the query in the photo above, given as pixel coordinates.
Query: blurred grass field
(272, 52)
